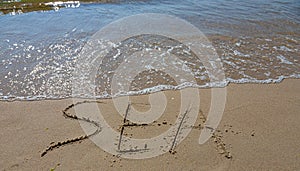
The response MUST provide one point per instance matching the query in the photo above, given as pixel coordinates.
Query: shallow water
(257, 42)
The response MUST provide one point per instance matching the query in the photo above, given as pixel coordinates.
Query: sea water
(257, 42)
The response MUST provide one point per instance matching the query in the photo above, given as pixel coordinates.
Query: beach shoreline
(259, 128)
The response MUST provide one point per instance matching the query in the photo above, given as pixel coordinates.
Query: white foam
(237, 53)
(283, 60)
(153, 89)
(67, 4)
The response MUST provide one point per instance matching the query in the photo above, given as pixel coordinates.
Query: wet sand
(259, 129)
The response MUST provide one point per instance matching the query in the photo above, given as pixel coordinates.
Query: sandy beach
(180, 85)
(259, 129)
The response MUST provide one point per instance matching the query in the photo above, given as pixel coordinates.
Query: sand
(259, 129)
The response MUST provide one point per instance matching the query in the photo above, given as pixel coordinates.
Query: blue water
(220, 16)
(38, 49)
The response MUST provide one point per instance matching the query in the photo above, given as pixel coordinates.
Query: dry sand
(260, 129)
